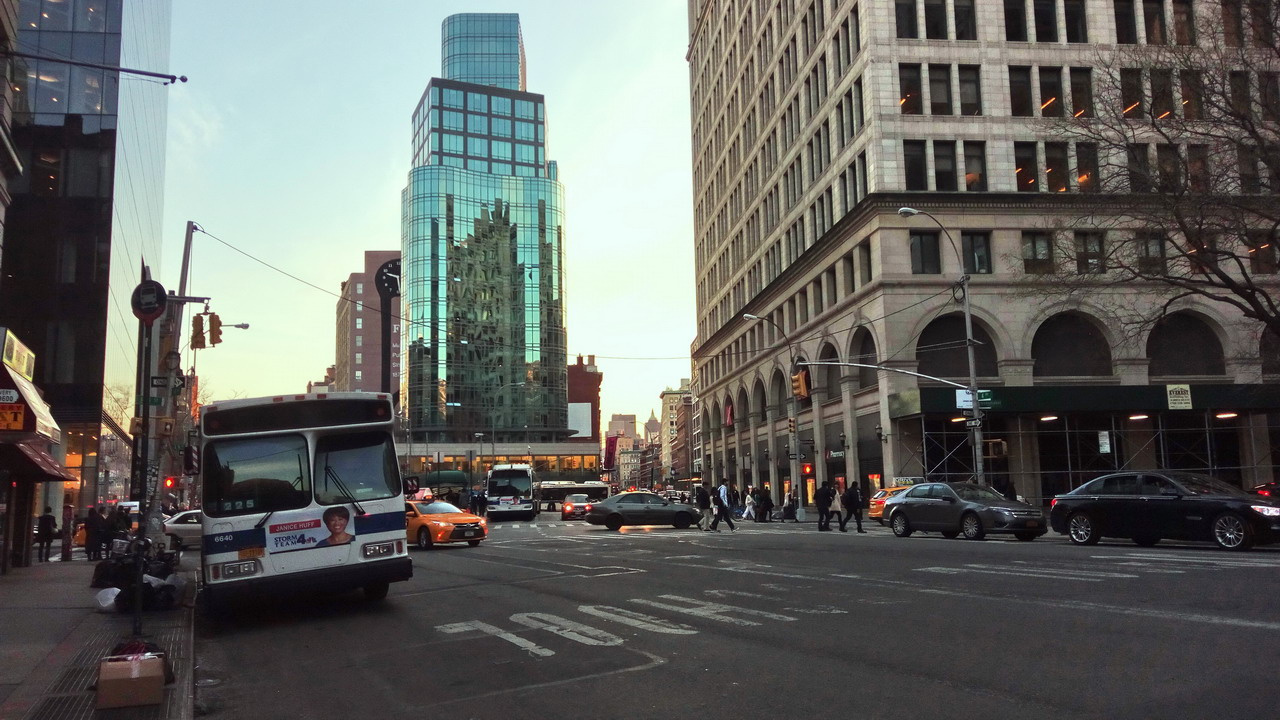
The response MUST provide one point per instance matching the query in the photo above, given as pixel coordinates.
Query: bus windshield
(256, 475)
(510, 483)
(356, 467)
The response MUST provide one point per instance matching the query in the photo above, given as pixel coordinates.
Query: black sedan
(1150, 505)
(1270, 490)
(640, 508)
(962, 508)
(575, 507)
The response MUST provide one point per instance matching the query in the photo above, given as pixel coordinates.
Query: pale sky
(291, 142)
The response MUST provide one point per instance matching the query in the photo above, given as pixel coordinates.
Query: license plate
(250, 553)
(1033, 523)
(469, 533)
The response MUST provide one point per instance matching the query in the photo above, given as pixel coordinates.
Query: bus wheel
(424, 539)
(376, 591)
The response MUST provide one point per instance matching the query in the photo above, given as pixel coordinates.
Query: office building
(365, 327)
(815, 121)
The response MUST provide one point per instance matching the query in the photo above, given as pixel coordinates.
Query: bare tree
(1177, 156)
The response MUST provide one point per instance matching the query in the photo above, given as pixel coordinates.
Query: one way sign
(179, 384)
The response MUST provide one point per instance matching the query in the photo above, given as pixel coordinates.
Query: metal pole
(976, 429)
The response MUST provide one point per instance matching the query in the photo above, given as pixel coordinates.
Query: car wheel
(424, 539)
(1146, 540)
(900, 525)
(1082, 529)
(1026, 536)
(473, 543)
(971, 526)
(682, 521)
(613, 522)
(950, 534)
(1232, 532)
(376, 591)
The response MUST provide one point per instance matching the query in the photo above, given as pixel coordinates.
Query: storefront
(27, 432)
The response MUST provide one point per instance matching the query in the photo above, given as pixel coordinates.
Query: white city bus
(301, 491)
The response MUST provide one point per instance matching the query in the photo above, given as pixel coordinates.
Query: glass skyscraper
(482, 234)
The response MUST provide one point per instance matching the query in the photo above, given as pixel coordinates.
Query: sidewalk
(52, 638)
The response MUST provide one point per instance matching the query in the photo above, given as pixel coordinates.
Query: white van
(510, 490)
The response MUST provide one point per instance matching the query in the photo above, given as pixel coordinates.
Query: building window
(1055, 167)
(1126, 22)
(966, 20)
(976, 248)
(359, 341)
(944, 165)
(905, 14)
(1169, 167)
(1232, 23)
(1037, 252)
(359, 288)
(1051, 91)
(1015, 20)
(1247, 157)
(1184, 28)
(975, 166)
(1241, 103)
(935, 19)
(1139, 168)
(1153, 14)
(1269, 95)
(1131, 92)
(359, 358)
(909, 85)
(970, 90)
(1262, 252)
(924, 253)
(1192, 94)
(1046, 18)
(915, 165)
(359, 306)
(359, 323)
(1077, 21)
(940, 90)
(1198, 168)
(1027, 165)
(1089, 252)
(1082, 92)
(1087, 167)
(1020, 90)
(359, 375)
(1151, 252)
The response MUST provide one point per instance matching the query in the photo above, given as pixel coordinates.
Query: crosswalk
(1125, 566)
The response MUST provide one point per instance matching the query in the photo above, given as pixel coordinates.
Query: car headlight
(1267, 510)
(1003, 511)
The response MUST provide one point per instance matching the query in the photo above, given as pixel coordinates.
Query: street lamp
(975, 425)
(793, 407)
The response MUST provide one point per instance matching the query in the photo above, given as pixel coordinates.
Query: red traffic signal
(169, 481)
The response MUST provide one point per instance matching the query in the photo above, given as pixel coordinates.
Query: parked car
(640, 508)
(1271, 490)
(962, 508)
(574, 507)
(183, 529)
(875, 511)
(435, 522)
(1151, 505)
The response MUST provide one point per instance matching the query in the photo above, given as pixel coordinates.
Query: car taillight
(1267, 493)
(586, 508)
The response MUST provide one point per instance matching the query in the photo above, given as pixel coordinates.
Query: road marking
(1048, 574)
(568, 629)
(531, 647)
(712, 611)
(637, 620)
(819, 610)
(1193, 560)
(1057, 571)
(654, 661)
(737, 593)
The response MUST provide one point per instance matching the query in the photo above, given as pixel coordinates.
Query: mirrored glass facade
(484, 345)
(484, 49)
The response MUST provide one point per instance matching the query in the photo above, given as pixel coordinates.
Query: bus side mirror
(410, 486)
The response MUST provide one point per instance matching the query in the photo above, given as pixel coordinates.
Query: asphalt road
(573, 621)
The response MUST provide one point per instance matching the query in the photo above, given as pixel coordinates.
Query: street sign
(155, 401)
(148, 301)
(963, 402)
(159, 381)
(973, 423)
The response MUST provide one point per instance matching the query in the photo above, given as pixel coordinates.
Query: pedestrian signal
(197, 332)
(215, 329)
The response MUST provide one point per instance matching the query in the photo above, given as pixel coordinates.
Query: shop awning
(29, 461)
(23, 411)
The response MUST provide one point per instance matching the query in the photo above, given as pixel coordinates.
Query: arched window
(941, 350)
(1183, 344)
(1070, 344)
(828, 376)
(866, 354)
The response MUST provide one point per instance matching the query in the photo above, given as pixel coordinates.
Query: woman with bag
(749, 510)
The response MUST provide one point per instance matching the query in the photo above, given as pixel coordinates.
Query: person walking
(722, 500)
(837, 507)
(822, 498)
(92, 530)
(852, 501)
(46, 530)
(702, 496)
(749, 510)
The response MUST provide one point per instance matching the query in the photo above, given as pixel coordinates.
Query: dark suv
(1150, 505)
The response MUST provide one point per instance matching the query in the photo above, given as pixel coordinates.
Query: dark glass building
(483, 232)
(86, 213)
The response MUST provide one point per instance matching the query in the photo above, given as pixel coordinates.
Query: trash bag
(106, 599)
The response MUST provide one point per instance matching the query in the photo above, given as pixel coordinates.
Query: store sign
(12, 416)
(1179, 396)
(1104, 442)
(19, 356)
(9, 396)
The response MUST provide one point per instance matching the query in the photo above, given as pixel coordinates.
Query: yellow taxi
(432, 522)
(875, 510)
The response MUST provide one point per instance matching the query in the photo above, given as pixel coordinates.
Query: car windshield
(977, 493)
(576, 499)
(509, 483)
(356, 466)
(436, 508)
(1204, 485)
(256, 475)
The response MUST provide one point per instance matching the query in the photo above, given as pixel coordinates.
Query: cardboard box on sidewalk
(131, 680)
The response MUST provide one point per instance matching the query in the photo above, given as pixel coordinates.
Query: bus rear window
(256, 475)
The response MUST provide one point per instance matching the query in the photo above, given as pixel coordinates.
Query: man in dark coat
(46, 531)
(852, 501)
(93, 534)
(702, 496)
(823, 498)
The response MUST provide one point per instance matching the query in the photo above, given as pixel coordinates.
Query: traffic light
(197, 332)
(800, 384)
(806, 469)
(791, 425)
(169, 482)
(215, 329)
